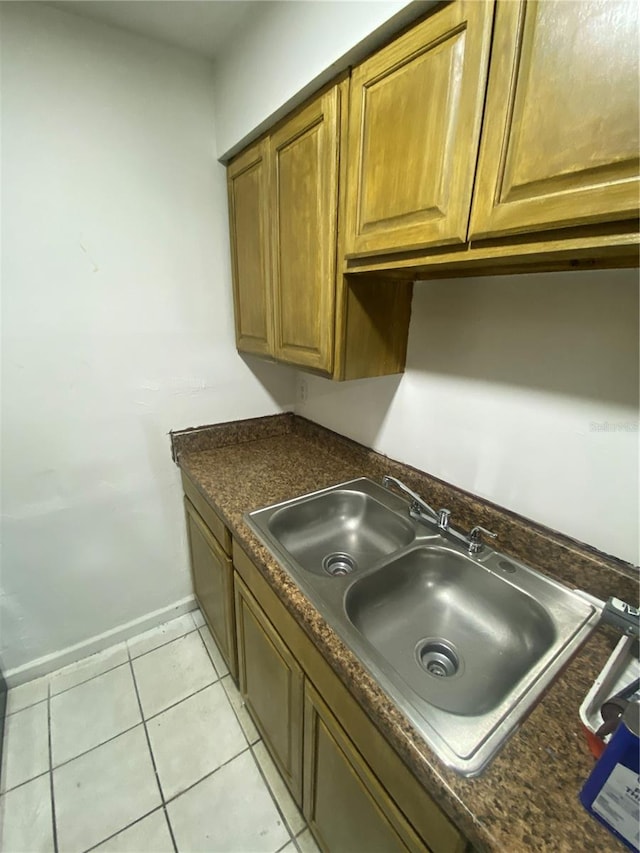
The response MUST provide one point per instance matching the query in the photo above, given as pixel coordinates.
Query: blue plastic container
(612, 791)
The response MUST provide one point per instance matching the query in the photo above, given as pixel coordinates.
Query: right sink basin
(459, 636)
(464, 644)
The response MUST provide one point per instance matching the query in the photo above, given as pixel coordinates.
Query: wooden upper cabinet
(414, 125)
(560, 138)
(248, 190)
(304, 220)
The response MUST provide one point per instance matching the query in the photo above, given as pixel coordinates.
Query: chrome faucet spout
(420, 510)
(417, 506)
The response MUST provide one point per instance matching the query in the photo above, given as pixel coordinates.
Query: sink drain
(438, 657)
(338, 565)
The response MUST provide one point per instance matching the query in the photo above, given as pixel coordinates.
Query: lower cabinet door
(344, 804)
(271, 684)
(212, 574)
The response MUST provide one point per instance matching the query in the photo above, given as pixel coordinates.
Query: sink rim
(471, 754)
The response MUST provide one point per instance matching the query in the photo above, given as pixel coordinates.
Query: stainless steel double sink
(464, 644)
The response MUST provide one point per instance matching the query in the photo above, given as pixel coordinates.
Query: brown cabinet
(344, 804)
(292, 304)
(271, 684)
(560, 135)
(354, 790)
(248, 189)
(357, 794)
(212, 575)
(414, 125)
(305, 154)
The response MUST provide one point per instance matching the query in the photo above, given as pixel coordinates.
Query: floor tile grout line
(258, 738)
(123, 732)
(87, 680)
(4, 791)
(180, 701)
(161, 645)
(213, 663)
(124, 828)
(26, 707)
(111, 668)
(97, 746)
(272, 794)
(153, 759)
(186, 790)
(51, 790)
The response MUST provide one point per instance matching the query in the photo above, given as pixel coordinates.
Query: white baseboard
(56, 660)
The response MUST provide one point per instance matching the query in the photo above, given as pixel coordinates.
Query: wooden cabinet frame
(304, 200)
(414, 805)
(248, 184)
(212, 575)
(286, 207)
(261, 654)
(561, 162)
(414, 125)
(326, 743)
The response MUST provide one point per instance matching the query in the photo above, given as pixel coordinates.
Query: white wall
(521, 389)
(287, 51)
(117, 322)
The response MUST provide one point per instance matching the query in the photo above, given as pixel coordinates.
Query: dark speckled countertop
(527, 800)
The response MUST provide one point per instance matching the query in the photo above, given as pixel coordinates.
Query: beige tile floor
(142, 748)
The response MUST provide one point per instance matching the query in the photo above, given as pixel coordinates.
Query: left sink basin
(337, 531)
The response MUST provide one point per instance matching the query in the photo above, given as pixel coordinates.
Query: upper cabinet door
(560, 139)
(248, 188)
(304, 220)
(414, 124)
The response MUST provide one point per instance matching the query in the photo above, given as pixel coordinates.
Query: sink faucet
(420, 510)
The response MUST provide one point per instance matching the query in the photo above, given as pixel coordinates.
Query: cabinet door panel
(414, 125)
(271, 684)
(247, 181)
(344, 804)
(212, 575)
(560, 138)
(305, 174)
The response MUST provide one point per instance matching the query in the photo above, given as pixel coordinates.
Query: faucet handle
(475, 538)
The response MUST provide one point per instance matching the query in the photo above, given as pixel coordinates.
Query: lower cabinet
(271, 684)
(356, 793)
(344, 804)
(212, 575)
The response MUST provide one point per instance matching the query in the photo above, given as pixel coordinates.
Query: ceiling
(200, 26)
